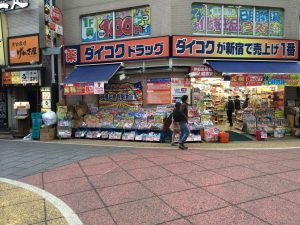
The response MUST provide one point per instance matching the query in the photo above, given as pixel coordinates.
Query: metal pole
(52, 56)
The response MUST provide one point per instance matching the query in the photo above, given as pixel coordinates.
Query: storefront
(248, 68)
(21, 80)
(122, 105)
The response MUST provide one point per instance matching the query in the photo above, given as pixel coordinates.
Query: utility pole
(52, 46)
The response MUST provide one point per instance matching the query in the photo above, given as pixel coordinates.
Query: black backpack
(177, 116)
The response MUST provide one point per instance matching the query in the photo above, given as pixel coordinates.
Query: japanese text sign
(24, 49)
(202, 71)
(21, 77)
(158, 91)
(282, 79)
(245, 48)
(147, 48)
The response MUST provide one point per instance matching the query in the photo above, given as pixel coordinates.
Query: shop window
(116, 25)
(246, 24)
(276, 22)
(213, 19)
(230, 19)
(261, 22)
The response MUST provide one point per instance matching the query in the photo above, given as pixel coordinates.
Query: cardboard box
(47, 133)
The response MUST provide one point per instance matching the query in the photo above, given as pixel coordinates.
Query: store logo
(13, 4)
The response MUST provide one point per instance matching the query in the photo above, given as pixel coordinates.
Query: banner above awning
(254, 67)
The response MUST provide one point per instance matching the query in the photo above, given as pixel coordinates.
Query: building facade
(259, 20)
(26, 69)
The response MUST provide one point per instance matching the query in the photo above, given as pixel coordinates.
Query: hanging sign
(246, 80)
(55, 14)
(228, 47)
(202, 71)
(99, 88)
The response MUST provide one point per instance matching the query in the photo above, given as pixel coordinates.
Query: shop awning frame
(93, 73)
(254, 67)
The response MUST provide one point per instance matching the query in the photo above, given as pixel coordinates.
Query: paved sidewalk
(20, 205)
(172, 187)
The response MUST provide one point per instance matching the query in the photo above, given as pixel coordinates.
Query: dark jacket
(237, 104)
(184, 112)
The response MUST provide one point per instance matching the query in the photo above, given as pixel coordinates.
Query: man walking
(184, 129)
(229, 107)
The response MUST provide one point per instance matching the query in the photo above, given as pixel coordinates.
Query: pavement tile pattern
(172, 187)
(106, 185)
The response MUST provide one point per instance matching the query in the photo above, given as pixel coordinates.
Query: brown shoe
(182, 147)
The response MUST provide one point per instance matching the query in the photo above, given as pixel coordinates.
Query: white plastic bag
(49, 118)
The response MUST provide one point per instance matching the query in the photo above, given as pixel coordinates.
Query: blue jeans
(184, 132)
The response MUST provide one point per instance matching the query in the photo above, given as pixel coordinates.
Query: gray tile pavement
(19, 159)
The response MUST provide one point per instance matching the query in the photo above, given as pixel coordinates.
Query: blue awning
(254, 66)
(94, 73)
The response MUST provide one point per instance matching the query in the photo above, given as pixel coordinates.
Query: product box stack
(47, 133)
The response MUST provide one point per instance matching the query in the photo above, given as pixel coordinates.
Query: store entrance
(32, 98)
(258, 109)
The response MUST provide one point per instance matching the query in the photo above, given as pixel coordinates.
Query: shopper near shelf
(175, 127)
(183, 122)
(246, 103)
(229, 107)
(237, 103)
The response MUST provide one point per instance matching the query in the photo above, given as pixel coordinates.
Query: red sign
(202, 71)
(254, 80)
(246, 80)
(147, 48)
(55, 14)
(79, 89)
(158, 91)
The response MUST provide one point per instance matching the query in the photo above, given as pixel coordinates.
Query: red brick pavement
(171, 187)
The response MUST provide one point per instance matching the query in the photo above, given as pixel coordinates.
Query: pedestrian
(237, 103)
(175, 127)
(229, 107)
(183, 123)
(246, 103)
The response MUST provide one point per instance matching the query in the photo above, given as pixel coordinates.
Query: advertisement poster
(180, 87)
(282, 79)
(79, 89)
(122, 95)
(116, 25)
(105, 26)
(243, 48)
(24, 49)
(158, 91)
(89, 31)
(98, 88)
(246, 80)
